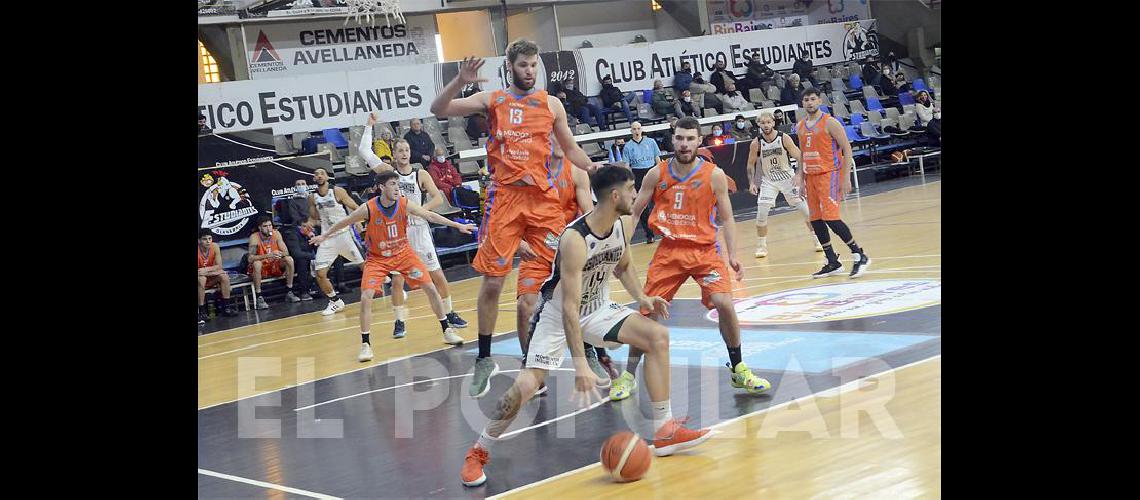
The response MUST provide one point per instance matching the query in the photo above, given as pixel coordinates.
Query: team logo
(664, 185)
(840, 301)
(696, 184)
(532, 102)
(661, 216)
(372, 281)
(225, 207)
(415, 274)
(265, 58)
(500, 99)
(502, 261)
(552, 240)
(711, 278)
(528, 281)
(860, 42)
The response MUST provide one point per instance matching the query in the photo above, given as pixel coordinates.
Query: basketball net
(368, 8)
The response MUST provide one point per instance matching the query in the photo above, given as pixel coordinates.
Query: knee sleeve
(820, 228)
(841, 230)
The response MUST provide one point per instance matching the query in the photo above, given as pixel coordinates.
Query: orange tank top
(387, 232)
(685, 206)
(206, 260)
(564, 182)
(264, 247)
(519, 148)
(820, 151)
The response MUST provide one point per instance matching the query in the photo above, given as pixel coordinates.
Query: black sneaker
(230, 311)
(202, 317)
(399, 331)
(860, 265)
(454, 320)
(829, 269)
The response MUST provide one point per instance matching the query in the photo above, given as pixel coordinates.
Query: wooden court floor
(901, 231)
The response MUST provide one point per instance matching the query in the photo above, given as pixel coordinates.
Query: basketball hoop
(368, 7)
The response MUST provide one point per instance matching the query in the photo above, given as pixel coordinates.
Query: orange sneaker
(472, 473)
(673, 437)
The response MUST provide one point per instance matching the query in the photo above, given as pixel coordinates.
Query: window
(208, 67)
(656, 6)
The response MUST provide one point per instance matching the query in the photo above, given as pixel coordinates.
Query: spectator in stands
(383, 146)
(717, 137)
(296, 231)
(615, 151)
(742, 129)
(900, 82)
(642, 153)
(420, 142)
(666, 136)
(757, 76)
(613, 98)
(582, 107)
(790, 94)
(887, 84)
(700, 86)
(871, 72)
(891, 62)
(269, 258)
(202, 127)
(661, 101)
(929, 116)
(685, 107)
(721, 75)
(803, 67)
(732, 100)
(211, 274)
(476, 125)
(682, 79)
(444, 173)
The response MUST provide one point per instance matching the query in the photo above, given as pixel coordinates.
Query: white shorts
(770, 189)
(547, 346)
(341, 244)
(419, 237)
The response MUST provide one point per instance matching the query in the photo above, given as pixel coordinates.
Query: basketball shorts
(674, 263)
(406, 263)
(342, 245)
(213, 281)
(769, 190)
(513, 213)
(419, 237)
(270, 268)
(824, 194)
(547, 348)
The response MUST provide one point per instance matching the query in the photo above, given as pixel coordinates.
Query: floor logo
(857, 299)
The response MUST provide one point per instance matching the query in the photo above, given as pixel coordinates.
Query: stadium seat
(756, 95)
(919, 84)
(837, 85)
(857, 118)
(841, 111)
(335, 137)
(299, 139)
(773, 93)
(853, 134)
(825, 109)
(868, 130)
(855, 82)
(874, 116)
(837, 96)
(905, 98)
(893, 114)
(807, 84)
(873, 103)
(869, 91)
(282, 147)
(857, 107)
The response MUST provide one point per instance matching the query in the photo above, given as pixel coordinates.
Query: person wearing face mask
(721, 75)
(295, 230)
(444, 174)
(614, 99)
(717, 137)
(661, 101)
(685, 106)
(732, 100)
(269, 258)
(742, 129)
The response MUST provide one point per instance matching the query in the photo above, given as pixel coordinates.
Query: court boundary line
(263, 484)
(743, 215)
(827, 393)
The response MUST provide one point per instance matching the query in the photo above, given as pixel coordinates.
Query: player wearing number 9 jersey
(690, 193)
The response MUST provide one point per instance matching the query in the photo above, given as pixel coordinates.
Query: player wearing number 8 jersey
(827, 164)
(689, 193)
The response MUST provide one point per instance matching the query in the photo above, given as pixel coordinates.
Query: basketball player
(688, 192)
(521, 203)
(211, 274)
(386, 235)
(573, 186)
(827, 165)
(576, 306)
(269, 258)
(774, 149)
(328, 206)
(416, 184)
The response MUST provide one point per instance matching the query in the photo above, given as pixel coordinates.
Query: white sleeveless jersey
(410, 187)
(329, 209)
(603, 253)
(774, 159)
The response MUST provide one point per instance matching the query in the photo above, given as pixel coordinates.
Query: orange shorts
(512, 214)
(673, 263)
(824, 193)
(213, 281)
(408, 264)
(532, 274)
(269, 268)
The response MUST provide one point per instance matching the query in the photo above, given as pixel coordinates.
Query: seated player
(211, 274)
(269, 258)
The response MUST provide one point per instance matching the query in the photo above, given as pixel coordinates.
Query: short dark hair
(688, 122)
(608, 178)
(521, 47)
(203, 232)
(383, 177)
(263, 219)
(739, 117)
(809, 91)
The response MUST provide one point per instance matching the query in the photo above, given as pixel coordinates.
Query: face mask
(303, 189)
(440, 158)
(717, 131)
(688, 99)
(569, 86)
(740, 125)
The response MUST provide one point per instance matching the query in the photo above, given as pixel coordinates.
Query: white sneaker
(450, 337)
(334, 307)
(761, 251)
(261, 304)
(365, 352)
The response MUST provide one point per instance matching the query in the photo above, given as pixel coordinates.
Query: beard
(520, 81)
(684, 157)
(624, 209)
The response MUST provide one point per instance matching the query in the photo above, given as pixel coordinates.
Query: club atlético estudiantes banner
(342, 99)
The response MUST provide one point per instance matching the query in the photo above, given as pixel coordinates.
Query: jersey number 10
(393, 231)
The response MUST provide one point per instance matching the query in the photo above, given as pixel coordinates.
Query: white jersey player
(769, 174)
(328, 204)
(416, 184)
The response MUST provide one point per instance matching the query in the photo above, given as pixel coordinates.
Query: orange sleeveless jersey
(820, 151)
(519, 147)
(685, 206)
(264, 247)
(208, 259)
(567, 198)
(387, 236)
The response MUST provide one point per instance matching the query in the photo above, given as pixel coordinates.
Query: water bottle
(211, 313)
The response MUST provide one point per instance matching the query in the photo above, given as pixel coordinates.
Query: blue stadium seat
(856, 82)
(335, 137)
(825, 108)
(873, 104)
(905, 98)
(856, 119)
(919, 84)
(853, 134)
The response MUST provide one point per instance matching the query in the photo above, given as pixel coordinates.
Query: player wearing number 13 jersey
(689, 193)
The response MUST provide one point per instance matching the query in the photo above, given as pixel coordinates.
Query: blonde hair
(768, 115)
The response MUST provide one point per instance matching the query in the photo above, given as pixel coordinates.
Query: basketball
(626, 457)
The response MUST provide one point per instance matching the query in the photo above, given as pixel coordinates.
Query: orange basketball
(626, 457)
